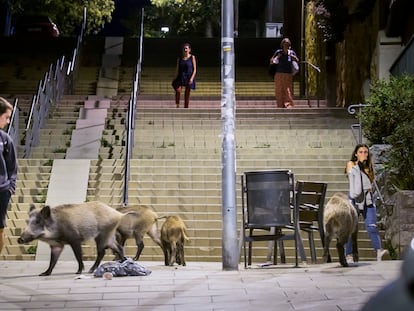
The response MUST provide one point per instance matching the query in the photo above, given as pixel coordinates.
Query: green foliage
(183, 17)
(389, 119)
(68, 14)
(333, 16)
(31, 249)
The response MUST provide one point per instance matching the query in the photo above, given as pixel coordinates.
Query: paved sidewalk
(198, 286)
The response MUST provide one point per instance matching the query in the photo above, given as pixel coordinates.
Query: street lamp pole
(230, 250)
(302, 48)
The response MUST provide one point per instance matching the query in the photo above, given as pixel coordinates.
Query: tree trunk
(354, 57)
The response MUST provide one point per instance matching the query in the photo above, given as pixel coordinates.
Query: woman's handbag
(295, 67)
(361, 197)
(272, 70)
(176, 84)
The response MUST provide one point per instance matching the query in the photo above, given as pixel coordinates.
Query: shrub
(389, 119)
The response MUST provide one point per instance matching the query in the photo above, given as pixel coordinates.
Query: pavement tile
(200, 286)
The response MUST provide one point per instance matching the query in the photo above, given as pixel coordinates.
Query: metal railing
(130, 123)
(318, 71)
(13, 128)
(357, 127)
(57, 80)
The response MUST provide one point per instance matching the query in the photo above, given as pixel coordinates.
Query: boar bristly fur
(341, 222)
(173, 237)
(73, 224)
(138, 221)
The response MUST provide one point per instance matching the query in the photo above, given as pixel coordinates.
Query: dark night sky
(122, 9)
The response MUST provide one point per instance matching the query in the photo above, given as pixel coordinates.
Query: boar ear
(45, 212)
(32, 207)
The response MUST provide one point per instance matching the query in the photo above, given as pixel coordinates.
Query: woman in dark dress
(283, 78)
(185, 73)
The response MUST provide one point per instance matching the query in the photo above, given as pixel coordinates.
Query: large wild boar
(173, 236)
(138, 221)
(73, 224)
(340, 221)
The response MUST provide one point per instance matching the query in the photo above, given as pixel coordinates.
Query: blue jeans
(371, 227)
(4, 205)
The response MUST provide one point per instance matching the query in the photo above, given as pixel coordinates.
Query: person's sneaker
(380, 253)
(349, 259)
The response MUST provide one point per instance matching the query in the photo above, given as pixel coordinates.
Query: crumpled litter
(82, 276)
(126, 267)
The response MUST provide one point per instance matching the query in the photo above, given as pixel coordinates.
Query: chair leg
(244, 251)
(312, 246)
(249, 260)
(301, 247)
(282, 251)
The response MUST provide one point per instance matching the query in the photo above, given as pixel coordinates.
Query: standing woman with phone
(360, 172)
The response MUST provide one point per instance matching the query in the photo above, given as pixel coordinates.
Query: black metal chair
(268, 203)
(310, 202)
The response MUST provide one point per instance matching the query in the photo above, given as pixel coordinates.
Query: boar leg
(77, 250)
(121, 239)
(341, 253)
(140, 246)
(103, 242)
(328, 239)
(173, 253)
(166, 250)
(354, 238)
(55, 251)
(180, 254)
(100, 248)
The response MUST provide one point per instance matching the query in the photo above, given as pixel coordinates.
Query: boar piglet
(173, 236)
(138, 221)
(73, 224)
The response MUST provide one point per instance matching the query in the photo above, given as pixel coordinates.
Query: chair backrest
(310, 200)
(270, 196)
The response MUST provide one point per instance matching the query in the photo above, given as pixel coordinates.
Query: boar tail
(184, 232)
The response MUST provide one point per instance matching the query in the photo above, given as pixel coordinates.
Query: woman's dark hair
(186, 44)
(365, 166)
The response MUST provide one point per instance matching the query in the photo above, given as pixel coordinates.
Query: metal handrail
(318, 71)
(130, 123)
(49, 92)
(353, 109)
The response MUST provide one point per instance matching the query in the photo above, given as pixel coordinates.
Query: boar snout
(25, 238)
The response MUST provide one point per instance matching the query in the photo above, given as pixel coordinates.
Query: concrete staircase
(176, 165)
(251, 82)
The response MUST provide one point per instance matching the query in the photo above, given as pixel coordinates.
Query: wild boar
(340, 221)
(173, 236)
(138, 221)
(73, 224)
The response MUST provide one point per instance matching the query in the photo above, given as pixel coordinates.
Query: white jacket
(354, 177)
